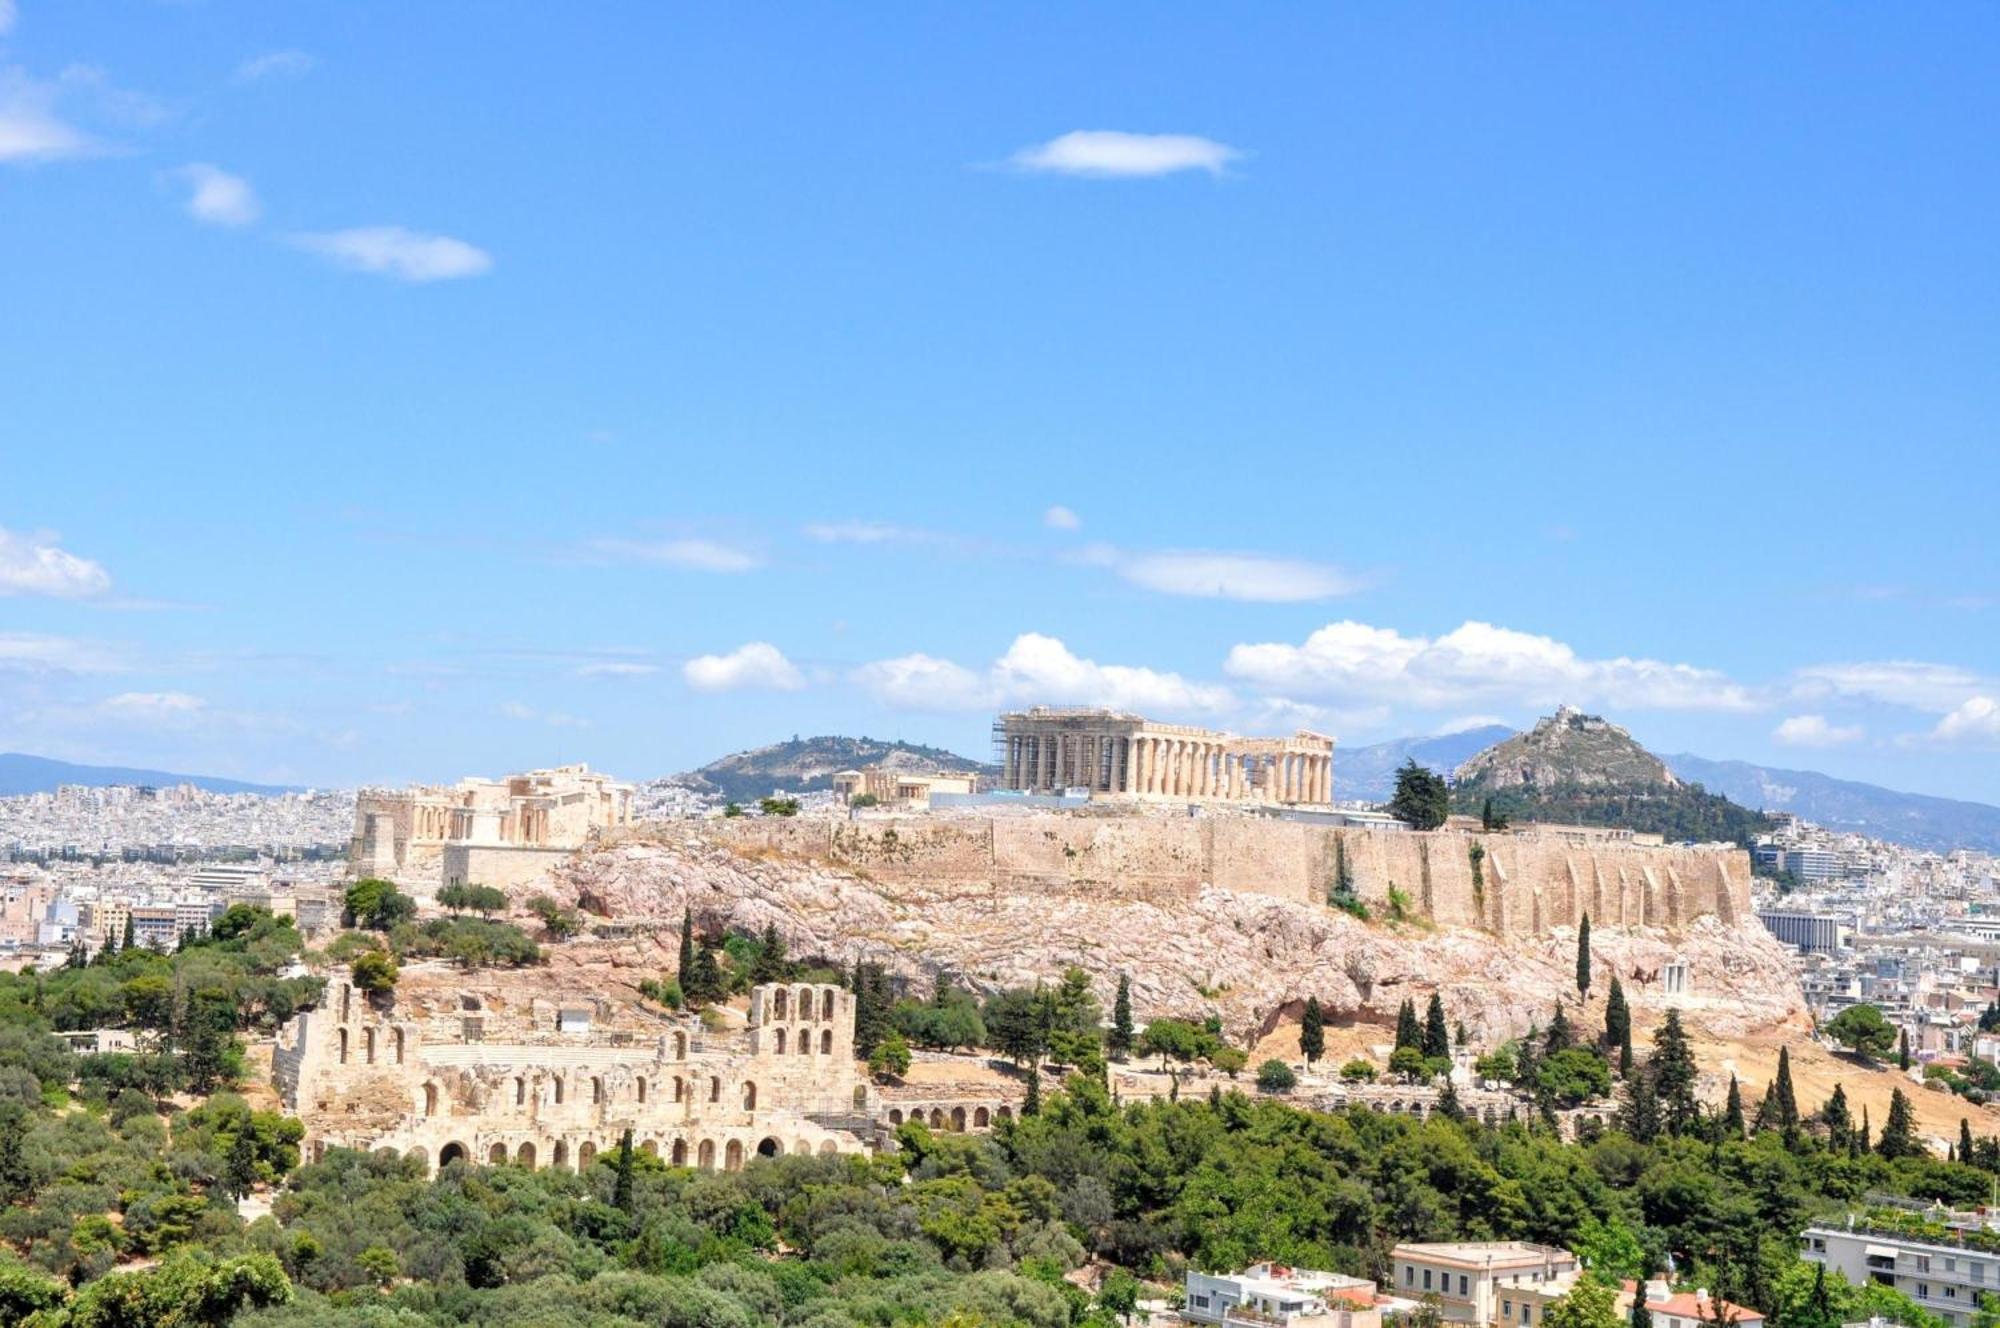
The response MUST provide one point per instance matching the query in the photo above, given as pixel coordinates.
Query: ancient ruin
(457, 1075)
(498, 832)
(1047, 749)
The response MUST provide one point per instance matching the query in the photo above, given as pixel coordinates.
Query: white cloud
(1474, 664)
(396, 252)
(617, 669)
(1902, 682)
(218, 198)
(1240, 576)
(695, 555)
(30, 128)
(1814, 731)
(274, 64)
(1036, 669)
(755, 664)
(555, 719)
(33, 564)
(1977, 720)
(7, 15)
(1062, 518)
(33, 652)
(855, 532)
(152, 707)
(1110, 153)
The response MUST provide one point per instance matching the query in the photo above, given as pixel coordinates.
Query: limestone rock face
(1568, 748)
(1248, 958)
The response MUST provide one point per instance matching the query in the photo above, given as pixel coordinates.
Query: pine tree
(1732, 1111)
(1903, 1050)
(1618, 1025)
(1447, 1103)
(1839, 1121)
(1788, 1102)
(1673, 1074)
(621, 1188)
(1561, 1036)
(1437, 1034)
(1899, 1132)
(1120, 1040)
(1767, 1112)
(1583, 956)
(1312, 1031)
(240, 1169)
(1640, 1115)
(770, 964)
(1408, 1033)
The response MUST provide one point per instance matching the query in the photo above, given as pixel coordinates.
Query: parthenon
(1050, 748)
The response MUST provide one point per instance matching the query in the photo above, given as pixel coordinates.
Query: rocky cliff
(1246, 956)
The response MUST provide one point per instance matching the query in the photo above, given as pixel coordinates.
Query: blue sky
(407, 391)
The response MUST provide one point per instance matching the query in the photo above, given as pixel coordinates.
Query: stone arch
(680, 1088)
(520, 1091)
(705, 1155)
(651, 1148)
(981, 1118)
(367, 1046)
(559, 1155)
(769, 1147)
(596, 1088)
(802, 1148)
(418, 1155)
(450, 1153)
(679, 1155)
(749, 1095)
(680, 1046)
(732, 1157)
(895, 1115)
(805, 1041)
(937, 1118)
(958, 1120)
(780, 1004)
(496, 1155)
(714, 1088)
(525, 1155)
(826, 1005)
(343, 1046)
(779, 1044)
(642, 1087)
(430, 1099)
(826, 1042)
(586, 1153)
(806, 1010)
(556, 1091)
(1004, 1113)
(827, 1148)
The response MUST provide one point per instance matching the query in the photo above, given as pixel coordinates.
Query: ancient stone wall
(1510, 884)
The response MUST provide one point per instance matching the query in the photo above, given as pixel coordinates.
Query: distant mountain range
(807, 765)
(1368, 774)
(20, 773)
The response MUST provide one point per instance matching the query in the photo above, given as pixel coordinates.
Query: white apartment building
(1271, 1295)
(1943, 1276)
(1476, 1281)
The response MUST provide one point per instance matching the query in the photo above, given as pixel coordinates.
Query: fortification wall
(1510, 884)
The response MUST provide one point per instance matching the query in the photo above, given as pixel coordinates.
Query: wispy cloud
(1062, 518)
(1240, 576)
(617, 669)
(753, 665)
(1913, 684)
(555, 719)
(7, 16)
(274, 64)
(857, 532)
(1036, 668)
(1475, 664)
(33, 563)
(691, 554)
(30, 128)
(1815, 731)
(35, 653)
(394, 251)
(1113, 154)
(218, 198)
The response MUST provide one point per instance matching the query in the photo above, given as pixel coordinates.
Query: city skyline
(400, 399)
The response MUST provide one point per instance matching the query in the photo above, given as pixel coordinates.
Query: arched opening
(826, 1005)
(780, 1041)
(805, 1003)
(827, 1148)
(749, 1097)
(802, 1148)
(396, 1044)
(557, 1091)
(779, 1004)
(651, 1148)
(680, 1046)
(705, 1155)
(496, 1154)
(680, 1153)
(430, 1099)
(449, 1154)
(596, 1089)
(559, 1155)
(958, 1120)
(770, 1148)
(826, 1042)
(345, 993)
(937, 1118)
(1005, 1112)
(642, 1088)
(586, 1153)
(525, 1155)
(732, 1158)
(714, 1089)
(520, 1092)
(680, 1089)
(981, 1118)
(367, 1046)
(895, 1115)
(343, 1046)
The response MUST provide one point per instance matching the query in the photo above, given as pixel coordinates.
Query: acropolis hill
(1224, 914)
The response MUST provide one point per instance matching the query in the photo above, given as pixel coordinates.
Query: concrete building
(1112, 753)
(498, 832)
(1485, 1282)
(1265, 1295)
(1946, 1275)
(1812, 933)
(1814, 864)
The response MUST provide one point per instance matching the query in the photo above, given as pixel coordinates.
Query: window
(1462, 1284)
(1506, 1309)
(1923, 1291)
(1525, 1309)
(1427, 1279)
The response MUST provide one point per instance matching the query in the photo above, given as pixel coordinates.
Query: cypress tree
(1839, 1121)
(1583, 956)
(1902, 1049)
(1408, 1034)
(1861, 1140)
(1312, 1031)
(1618, 1025)
(1120, 1040)
(1447, 1103)
(1965, 1146)
(1640, 1116)
(1458, 1034)
(1788, 1102)
(621, 1189)
(132, 934)
(1732, 1111)
(1767, 1112)
(1437, 1035)
(1899, 1132)
(1561, 1036)
(1641, 1317)
(685, 972)
(770, 964)
(1673, 1074)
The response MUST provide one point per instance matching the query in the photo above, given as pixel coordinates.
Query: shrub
(1276, 1077)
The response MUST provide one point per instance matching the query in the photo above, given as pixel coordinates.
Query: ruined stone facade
(1109, 752)
(498, 832)
(557, 1084)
